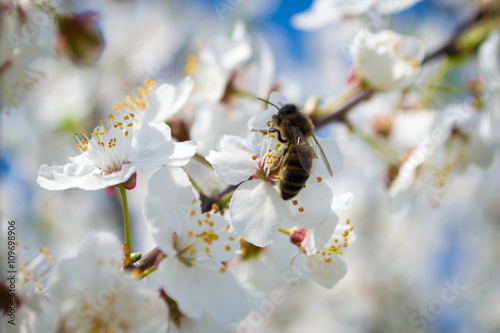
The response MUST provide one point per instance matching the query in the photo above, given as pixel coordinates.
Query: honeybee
(294, 164)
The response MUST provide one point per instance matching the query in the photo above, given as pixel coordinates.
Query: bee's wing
(305, 151)
(319, 150)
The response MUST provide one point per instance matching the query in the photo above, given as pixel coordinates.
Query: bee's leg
(278, 162)
(275, 130)
(272, 130)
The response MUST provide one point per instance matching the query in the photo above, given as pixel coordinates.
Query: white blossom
(387, 60)
(195, 245)
(90, 293)
(115, 150)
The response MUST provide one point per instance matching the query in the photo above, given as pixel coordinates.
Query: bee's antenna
(263, 100)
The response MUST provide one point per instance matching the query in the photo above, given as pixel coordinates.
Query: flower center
(267, 163)
(340, 239)
(108, 146)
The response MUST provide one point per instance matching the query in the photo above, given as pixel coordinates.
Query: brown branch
(451, 48)
(340, 114)
(147, 260)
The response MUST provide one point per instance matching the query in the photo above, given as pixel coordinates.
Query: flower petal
(166, 206)
(233, 162)
(333, 155)
(311, 206)
(316, 238)
(324, 273)
(81, 173)
(254, 210)
(152, 148)
(168, 99)
(181, 283)
(223, 298)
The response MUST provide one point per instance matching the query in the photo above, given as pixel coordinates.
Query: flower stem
(285, 231)
(126, 219)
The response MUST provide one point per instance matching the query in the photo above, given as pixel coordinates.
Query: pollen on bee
(301, 209)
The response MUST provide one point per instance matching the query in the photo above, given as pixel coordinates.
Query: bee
(293, 166)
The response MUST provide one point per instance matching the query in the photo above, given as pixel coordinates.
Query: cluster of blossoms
(207, 165)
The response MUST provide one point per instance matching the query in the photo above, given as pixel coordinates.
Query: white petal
(181, 283)
(160, 103)
(81, 173)
(152, 148)
(333, 155)
(102, 245)
(255, 212)
(223, 297)
(324, 12)
(311, 206)
(168, 99)
(392, 7)
(168, 204)
(316, 238)
(324, 273)
(233, 162)
(343, 201)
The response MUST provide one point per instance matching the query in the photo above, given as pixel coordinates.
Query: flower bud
(79, 38)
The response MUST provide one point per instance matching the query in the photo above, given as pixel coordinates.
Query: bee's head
(285, 111)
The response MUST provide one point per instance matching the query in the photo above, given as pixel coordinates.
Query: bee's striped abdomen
(293, 176)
